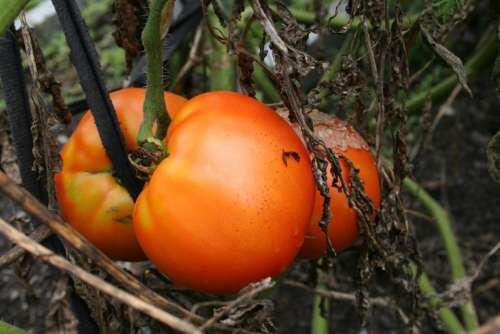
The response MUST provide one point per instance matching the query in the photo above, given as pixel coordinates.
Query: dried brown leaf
(127, 25)
(449, 57)
(60, 319)
(8, 158)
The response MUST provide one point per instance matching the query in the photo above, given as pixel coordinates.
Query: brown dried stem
(349, 297)
(33, 207)
(38, 235)
(252, 293)
(50, 257)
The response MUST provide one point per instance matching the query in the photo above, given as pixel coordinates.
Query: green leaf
(444, 9)
(6, 328)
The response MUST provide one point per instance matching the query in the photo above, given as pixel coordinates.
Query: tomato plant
(343, 227)
(231, 203)
(90, 198)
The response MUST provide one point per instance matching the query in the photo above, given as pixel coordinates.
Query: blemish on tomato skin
(289, 154)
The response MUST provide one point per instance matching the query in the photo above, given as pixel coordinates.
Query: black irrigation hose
(18, 112)
(84, 57)
(187, 22)
(19, 117)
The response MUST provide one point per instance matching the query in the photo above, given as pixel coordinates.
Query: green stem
(319, 324)
(6, 328)
(341, 20)
(10, 9)
(337, 61)
(223, 72)
(443, 223)
(484, 56)
(447, 316)
(265, 84)
(335, 67)
(154, 103)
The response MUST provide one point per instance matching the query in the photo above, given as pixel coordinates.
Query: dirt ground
(453, 169)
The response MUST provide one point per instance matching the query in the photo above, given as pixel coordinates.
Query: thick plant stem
(449, 319)
(482, 57)
(154, 103)
(222, 66)
(10, 9)
(443, 223)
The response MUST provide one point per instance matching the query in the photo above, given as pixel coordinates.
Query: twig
(419, 215)
(380, 93)
(192, 60)
(348, 297)
(39, 234)
(269, 27)
(483, 262)
(415, 76)
(491, 327)
(442, 111)
(252, 293)
(50, 257)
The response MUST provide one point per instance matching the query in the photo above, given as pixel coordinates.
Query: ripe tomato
(231, 203)
(90, 198)
(343, 228)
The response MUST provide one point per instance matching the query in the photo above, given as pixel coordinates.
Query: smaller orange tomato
(343, 227)
(90, 198)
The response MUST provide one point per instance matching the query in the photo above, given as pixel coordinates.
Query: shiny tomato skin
(89, 197)
(227, 207)
(343, 228)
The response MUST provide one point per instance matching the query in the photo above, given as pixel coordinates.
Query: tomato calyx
(152, 150)
(147, 157)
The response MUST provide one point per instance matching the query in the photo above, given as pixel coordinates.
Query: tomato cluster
(234, 201)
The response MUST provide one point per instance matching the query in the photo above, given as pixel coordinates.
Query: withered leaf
(449, 57)
(493, 153)
(60, 318)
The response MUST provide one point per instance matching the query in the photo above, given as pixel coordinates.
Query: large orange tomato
(231, 203)
(90, 198)
(343, 227)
